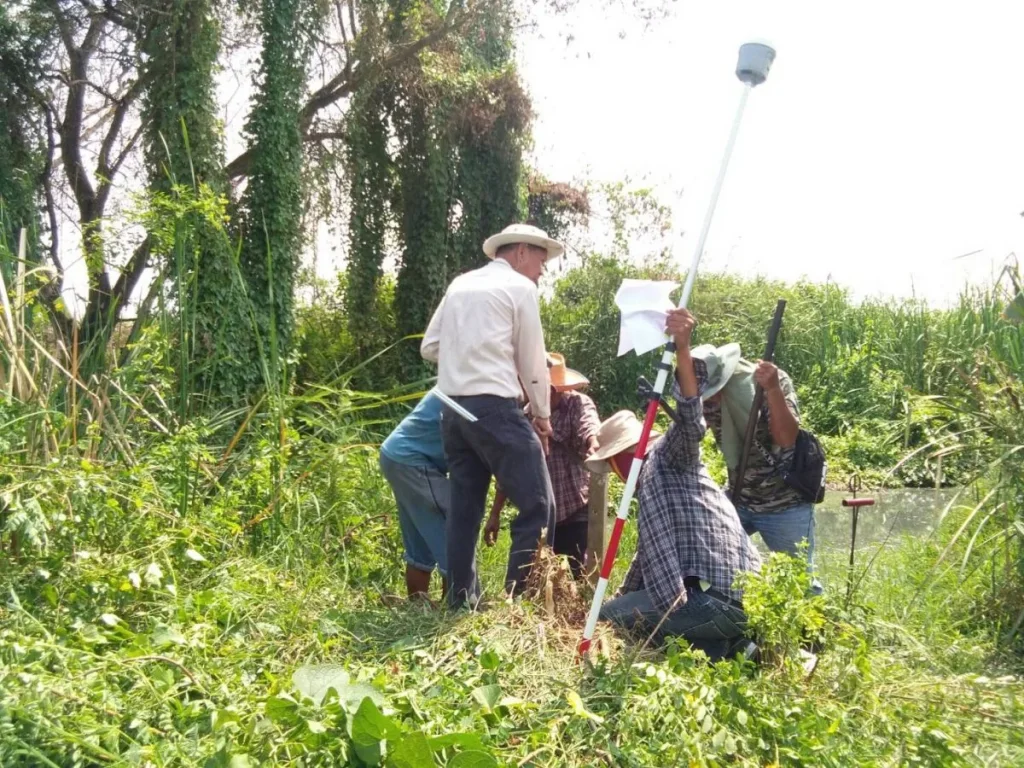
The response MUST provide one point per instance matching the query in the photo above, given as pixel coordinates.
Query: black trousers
(571, 541)
(501, 444)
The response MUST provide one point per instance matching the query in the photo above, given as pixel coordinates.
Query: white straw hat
(523, 233)
(619, 432)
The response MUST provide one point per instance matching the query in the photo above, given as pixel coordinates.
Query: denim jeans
(783, 531)
(706, 622)
(500, 443)
(423, 501)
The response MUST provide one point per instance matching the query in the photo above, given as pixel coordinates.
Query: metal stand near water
(855, 504)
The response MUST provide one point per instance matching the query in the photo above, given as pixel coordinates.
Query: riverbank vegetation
(199, 556)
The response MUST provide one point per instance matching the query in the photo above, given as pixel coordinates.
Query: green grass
(175, 644)
(175, 578)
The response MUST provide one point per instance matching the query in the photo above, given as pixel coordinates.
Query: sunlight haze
(884, 145)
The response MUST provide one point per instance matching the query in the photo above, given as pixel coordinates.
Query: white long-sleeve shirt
(486, 337)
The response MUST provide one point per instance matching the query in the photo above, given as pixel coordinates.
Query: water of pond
(903, 511)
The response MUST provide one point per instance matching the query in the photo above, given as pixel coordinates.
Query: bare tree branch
(352, 18)
(105, 170)
(51, 204)
(130, 274)
(71, 129)
(349, 79)
(127, 149)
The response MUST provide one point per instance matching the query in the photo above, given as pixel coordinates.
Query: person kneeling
(691, 545)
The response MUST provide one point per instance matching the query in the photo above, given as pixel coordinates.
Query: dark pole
(755, 408)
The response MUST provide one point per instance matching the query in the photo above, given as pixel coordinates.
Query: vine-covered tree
(22, 154)
(185, 159)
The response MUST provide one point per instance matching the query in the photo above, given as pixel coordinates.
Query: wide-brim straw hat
(619, 432)
(562, 377)
(720, 362)
(523, 233)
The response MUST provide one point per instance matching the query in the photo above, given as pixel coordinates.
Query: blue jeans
(706, 622)
(782, 531)
(422, 495)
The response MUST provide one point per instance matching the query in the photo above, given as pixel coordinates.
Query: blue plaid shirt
(687, 525)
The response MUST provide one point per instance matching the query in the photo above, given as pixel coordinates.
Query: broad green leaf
(221, 718)
(464, 740)
(413, 751)
(91, 635)
(315, 726)
(577, 707)
(741, 717)
(282, 709)
(240, 761)
(719, 738)
(370, 725)
(473, 759)
(164, 635)
(489, 660)
(487, 696)
(369, 753)
(313, 681)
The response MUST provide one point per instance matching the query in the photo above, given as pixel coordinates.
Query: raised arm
(680, 325)
(783, 422)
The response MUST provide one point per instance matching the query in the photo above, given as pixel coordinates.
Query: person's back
(767, 504)
(479, 323)
(763, 489)
(416, 441)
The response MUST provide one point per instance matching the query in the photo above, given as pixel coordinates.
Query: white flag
(644, 306)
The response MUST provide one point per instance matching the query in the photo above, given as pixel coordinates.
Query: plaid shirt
(687, 525)
(573, 423)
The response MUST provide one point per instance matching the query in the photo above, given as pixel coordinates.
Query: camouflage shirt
(763, 490)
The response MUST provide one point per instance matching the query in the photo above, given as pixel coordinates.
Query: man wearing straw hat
(486, 338)
(574, 426)
(690, 544)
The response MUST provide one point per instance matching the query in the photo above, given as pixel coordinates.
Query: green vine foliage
(21, 156)
(271, 206)
(489, 178)
(184, 152)
(424, 176)
(370, 173)
(434, 161)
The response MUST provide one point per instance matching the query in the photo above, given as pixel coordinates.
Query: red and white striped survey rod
(755, 60)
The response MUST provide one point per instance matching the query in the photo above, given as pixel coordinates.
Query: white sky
(887, 141)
